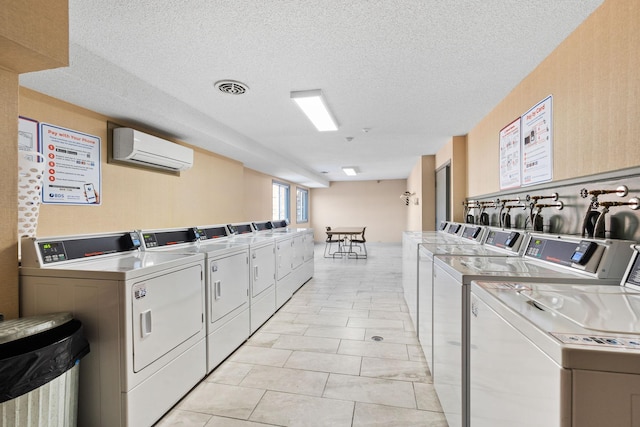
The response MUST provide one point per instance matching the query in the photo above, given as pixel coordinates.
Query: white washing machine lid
(467, 268)
(567, 342)
(608, 309)
(445, 238)
(452, 249)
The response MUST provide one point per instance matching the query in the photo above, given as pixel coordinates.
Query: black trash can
(39, 364)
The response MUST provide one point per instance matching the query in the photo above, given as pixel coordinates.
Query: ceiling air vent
(231, 87)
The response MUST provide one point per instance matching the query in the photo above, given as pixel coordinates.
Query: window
(280, 201)
(302, 205)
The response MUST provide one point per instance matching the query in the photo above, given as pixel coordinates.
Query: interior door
(443, 191)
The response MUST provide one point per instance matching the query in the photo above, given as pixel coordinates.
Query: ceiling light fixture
(350, 170)
(313, 105)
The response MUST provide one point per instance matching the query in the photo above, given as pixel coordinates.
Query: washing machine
(411, 241)
(497, 242)
(142, 312)
(555, 354)
(227, 305)
(547, 258)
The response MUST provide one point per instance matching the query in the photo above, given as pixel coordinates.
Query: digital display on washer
(149, 240)
(471, 232)
(243, 228)
(454, 228)
(260, 226)
(633, 277)
(213, 232)
(561, 252)
(52, 252)
(502, 239)
(583, 252)
(65, 250)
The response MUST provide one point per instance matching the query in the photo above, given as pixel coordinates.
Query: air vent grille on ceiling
(231, 87)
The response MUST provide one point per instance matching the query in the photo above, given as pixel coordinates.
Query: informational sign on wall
(28, 135)
(73, 173)
(510, 155)
(537, 144)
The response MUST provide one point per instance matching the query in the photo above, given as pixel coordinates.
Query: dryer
(227, 304)
(262, 276)
(294, 261)
(497, 242)
(547, 258)
(142, 312)
(289, 258)
(575, 347)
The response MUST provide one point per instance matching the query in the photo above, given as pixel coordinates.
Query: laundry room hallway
(341, 352)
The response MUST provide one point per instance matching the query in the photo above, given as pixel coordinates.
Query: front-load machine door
(167, 310)
(263, 269)
(228, 287)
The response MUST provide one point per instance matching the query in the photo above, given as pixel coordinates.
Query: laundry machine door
(228, 287)
(262, 269)
(167, 310)
(297, 248)
(284, 254)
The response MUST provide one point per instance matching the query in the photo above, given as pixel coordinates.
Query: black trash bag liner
(30, 362)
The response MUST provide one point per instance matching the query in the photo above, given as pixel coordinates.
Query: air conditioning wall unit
(133, 146)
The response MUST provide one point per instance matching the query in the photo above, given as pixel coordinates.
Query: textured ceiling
(415, 72)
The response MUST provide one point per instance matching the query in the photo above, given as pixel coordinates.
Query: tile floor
(314, 362)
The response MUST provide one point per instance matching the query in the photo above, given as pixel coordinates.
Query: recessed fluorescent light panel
(350, 170)
(315, 108)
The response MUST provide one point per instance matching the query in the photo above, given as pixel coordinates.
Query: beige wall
(258, 196)
(593, 77)
(374, 204)
(134, 197)
(9, 194)
(33, 36)
(421, 180)
(454, 152)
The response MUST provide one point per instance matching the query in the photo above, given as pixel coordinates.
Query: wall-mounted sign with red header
(537, 143)
(72, 175)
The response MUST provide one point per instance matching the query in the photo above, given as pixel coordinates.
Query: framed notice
(72, 175)
(510, 155)
(28, 138)
(537, 143)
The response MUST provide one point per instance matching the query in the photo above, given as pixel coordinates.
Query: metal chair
(328, 242)
(358, 240)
